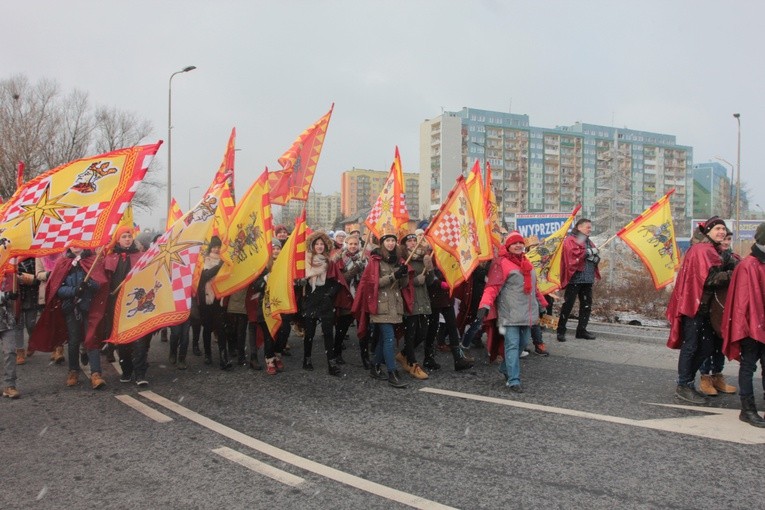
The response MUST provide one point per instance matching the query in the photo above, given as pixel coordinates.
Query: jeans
(697, 345)
(516, 338)
(179, 339)
(751, 351)
(583, 291)
(384, 351)
(76, 330)
(8, 338)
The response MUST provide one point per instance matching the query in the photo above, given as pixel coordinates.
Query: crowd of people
(398, 298)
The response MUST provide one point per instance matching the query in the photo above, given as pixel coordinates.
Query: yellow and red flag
(476, 193)
(453, 231)
(279, 295)
(77, 204)
(157, 291)
(652, 237)
(174, 214)
(247, 242)
(389, 211)
(492, 211)
(546, 256)
(127, 219)
(293, 181)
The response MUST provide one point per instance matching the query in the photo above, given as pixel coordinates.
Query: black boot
(195, 348)
(225, 363)
(307, 364)
(377, 372)
(364, 349)
(460, 362)
(395, 381)
(332, 368)
(430, 363)
(749, 412)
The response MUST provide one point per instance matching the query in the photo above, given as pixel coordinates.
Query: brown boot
(21, 356)
(417, 372)
(73, 378)
(707, 386)
(403, 361)
(57, 356)
(96, 381)
(11, 392)
(720, 385)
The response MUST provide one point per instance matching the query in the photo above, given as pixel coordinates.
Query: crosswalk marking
(712, 423)
(259, 467)
(143, 409)
(290, 458)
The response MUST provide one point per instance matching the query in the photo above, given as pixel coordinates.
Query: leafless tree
(46, 128)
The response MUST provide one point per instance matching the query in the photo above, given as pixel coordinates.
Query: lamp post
(732, 172)
(737, 236)
(170, 131)
(191, 188)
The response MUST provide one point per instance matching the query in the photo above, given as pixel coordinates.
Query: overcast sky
(271, 69)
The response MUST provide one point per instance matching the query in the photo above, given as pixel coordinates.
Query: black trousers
(310, 331)
(415, 331)
(583, 291)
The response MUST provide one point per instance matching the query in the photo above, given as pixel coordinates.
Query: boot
(333, 369)
(417, 372)
(11, 392)
(181, 365)
(720, 385)
(690, 394)
(395, 381)
(271, 366)
(749, 412)
(403, 361)
(73, 378)
(21, 356)
(278, 363)
(460, 361)
(57, 356)
(364, 349)
(225, 363)
(96, 381)
(707, 386)
(339, 359)
(377, 372)
(307, 364)
(195, 348)
(430, 363)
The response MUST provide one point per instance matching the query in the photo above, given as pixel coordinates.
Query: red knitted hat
(512, 238)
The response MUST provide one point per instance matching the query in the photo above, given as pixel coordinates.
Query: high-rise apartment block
(360, 189)
(321, 211)
(712, 191)
(614, 173)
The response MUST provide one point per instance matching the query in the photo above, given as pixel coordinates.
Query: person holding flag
(9, 332)
(578, 272)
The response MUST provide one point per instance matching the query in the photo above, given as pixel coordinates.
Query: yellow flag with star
(157, 291)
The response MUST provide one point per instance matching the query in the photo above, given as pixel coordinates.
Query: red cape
(50, 331)
(572, 260)
(689, 286)
(365, 302)
(343, 298)
(744, 315)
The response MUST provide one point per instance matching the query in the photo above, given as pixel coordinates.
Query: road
(597, 427)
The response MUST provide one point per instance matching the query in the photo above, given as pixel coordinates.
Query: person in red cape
(743, 324)
(384, 293)
(688, 308)
(349, 264)
(511, 292)
(578, 272)
(273, 348)
(73, 310)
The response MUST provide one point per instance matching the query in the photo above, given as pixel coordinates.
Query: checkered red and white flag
(389, 211)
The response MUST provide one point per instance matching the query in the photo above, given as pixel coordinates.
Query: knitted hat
(340, 233)
(280, 228)
(708, 225)
(759, 235)
(387, 235)
(512, 238)
(406, 237)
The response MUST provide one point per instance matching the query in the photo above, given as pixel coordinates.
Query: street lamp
(732, 172)
(191, 188)
(170, 131)
(737, 237)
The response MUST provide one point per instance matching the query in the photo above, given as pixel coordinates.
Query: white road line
(143, 408)
(260, 467)
(295, 460)
(710, 423)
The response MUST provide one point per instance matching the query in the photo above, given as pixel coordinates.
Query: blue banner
(539, 224)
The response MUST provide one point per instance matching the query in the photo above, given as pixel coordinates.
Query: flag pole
(419, 241)
(607, 241)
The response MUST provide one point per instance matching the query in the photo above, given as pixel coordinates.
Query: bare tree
(45, 128)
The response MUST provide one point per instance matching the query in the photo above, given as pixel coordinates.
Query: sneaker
(271, 368)
(395, 381)
(126, 378)
(462, 364)
(690, 395)
(279, 365)
(96, 381)
(524, 353)
(541, 349)
(561, 337)
(11, 392)
(307, 364)
(515, 388)
(585, 335)
(377, 372)
(172, 359)
(141, 382)
(21, 358)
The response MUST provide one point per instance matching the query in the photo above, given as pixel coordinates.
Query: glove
(427, 261)
(11, 296)
(401, 272)
(481, 314)
(592, 251)
(300, 282)
(444, 286)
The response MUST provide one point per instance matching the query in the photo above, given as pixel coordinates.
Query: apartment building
(360, 189)
(321, 211)
(712, 191)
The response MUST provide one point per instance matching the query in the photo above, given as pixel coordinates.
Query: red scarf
(525, 266)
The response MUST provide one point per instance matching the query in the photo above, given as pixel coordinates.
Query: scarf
(316, 270)
(525, 266)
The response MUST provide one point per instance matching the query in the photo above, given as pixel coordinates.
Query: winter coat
(504, 290)
(236, 302)
(575, 256)
(421, 280)
(744, 315)
(390, 302)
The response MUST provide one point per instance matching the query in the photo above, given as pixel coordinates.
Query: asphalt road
(592, 430)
